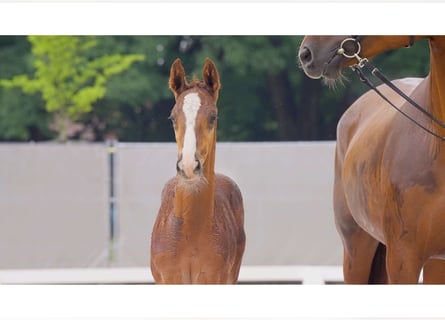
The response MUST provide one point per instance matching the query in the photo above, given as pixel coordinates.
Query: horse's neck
(195, 202)
(437, 78)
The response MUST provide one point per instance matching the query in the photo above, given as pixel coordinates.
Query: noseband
(363, 64)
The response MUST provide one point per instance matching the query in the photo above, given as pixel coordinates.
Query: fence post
(113, 213)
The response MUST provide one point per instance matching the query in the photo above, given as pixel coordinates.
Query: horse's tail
(378, 273)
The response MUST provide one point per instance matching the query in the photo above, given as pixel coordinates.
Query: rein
(364, 64)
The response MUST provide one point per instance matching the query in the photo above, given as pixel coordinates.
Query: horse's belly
(386, 205)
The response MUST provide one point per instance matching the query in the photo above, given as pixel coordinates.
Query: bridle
(363, 64)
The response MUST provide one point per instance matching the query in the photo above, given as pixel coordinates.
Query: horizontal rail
(248, 275)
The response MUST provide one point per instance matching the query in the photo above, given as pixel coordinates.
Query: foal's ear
(211, 77)
(177, 81)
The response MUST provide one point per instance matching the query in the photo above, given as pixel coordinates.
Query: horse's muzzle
(188, 168)
(308, 64)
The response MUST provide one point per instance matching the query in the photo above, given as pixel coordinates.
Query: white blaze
(192, 102)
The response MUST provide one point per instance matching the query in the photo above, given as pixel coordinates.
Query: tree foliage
(67, 78)
(265, 96)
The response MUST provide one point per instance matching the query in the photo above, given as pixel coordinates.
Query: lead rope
(363, 63)
(365, 80)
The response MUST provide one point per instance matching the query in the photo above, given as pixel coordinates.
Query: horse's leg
(236, 267)
(167, 269)
(359, 251)
(434, 272)
(359, 247)
(402, 264)
(155, 272)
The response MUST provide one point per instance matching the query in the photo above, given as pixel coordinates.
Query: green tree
(265, 96)
(138, 102)
(68, 78)
(21, 119)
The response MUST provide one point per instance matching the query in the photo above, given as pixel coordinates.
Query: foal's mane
(197, 83)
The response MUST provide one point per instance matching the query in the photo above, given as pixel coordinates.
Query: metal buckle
(361, 61)
(342, 50)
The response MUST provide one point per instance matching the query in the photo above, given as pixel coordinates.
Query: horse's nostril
(188, 170)
(305, 55)
(177, 166)
(198, 167)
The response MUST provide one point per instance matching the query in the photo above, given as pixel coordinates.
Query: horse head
(194, 118)
(326, 56)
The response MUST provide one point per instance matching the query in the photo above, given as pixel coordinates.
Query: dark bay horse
(198, 236)
(389, 187)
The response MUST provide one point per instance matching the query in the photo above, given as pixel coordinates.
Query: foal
(198, 236)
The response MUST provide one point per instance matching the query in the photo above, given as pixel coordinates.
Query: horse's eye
(212, 119)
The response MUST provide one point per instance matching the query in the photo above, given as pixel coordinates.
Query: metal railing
(248, 275)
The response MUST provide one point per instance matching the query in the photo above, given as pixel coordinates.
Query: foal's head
(194, 118)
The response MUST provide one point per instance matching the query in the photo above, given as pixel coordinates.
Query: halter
(364, 64)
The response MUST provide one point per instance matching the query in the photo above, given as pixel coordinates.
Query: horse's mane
(197, 83)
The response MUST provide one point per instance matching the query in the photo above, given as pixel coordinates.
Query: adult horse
(198, 236)
(389, 187)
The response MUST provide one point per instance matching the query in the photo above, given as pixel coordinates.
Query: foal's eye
(212, 119)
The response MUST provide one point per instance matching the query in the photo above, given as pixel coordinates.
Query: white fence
(55, 203)
(248, 275)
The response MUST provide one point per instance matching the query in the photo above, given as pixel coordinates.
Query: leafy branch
(68, 78)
